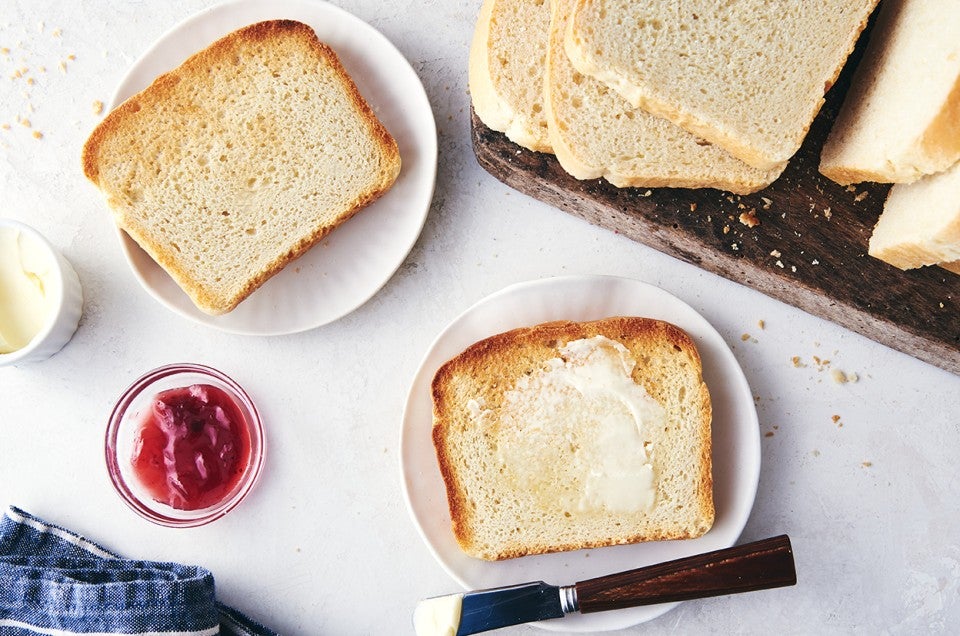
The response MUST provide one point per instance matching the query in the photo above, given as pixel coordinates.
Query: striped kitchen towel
(53, 581)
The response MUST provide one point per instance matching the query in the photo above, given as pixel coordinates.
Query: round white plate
(348, 267)
(736, 440)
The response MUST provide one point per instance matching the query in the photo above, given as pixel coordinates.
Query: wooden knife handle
(753, 566)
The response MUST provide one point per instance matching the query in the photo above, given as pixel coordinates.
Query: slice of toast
(505, 73)
(235, 163)
(900, 119)
(596, 133)
(747, 76)
(572, 435)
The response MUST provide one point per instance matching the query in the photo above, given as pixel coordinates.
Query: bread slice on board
(596, 133)
(238, 161)
(920, 223)
(505, 73)
(570, 435)
(748, 76)
(901, 117)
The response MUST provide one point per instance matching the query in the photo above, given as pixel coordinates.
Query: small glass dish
(124, 441)
(63, 295)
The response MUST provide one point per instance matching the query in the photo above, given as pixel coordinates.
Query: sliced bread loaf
(901, 117)
(506, 69)
(748, 76)
(596, 133)
(572, 435)
(920, 223)
(236, 162)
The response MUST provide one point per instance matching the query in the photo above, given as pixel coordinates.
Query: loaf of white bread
(920, 224)
(505, 74)
(748, 76)
(230, 166)
(901, 117)
(569, 435)
(595, 132)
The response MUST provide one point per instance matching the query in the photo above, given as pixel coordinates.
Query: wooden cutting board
(809, 248)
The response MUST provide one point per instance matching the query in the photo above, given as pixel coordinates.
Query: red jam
(192, 447)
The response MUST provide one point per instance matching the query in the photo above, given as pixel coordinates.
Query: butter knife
(753, 566)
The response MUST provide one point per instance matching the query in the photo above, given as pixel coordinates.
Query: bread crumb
(41, 69)
(775, 253)
(726, 229)
(24, 122)
(761, 324)
(838, 376)
(768, 434)
(835, 418)
(734, 247)
(37, 134)
(693, 207)
(853, 377)
(851, 188)
(867, 464)
(793, 268)
(5, 126)
(814, 262)
(815, 453)
(827, 213)
(779, 264)
(30, 81)
(745, 337)
(97, 107)
(56, 32)
(4, 50)
(860, 197)
(749, 218)
(796, 362)
(63, 67)
(647, 193)
(766, 202)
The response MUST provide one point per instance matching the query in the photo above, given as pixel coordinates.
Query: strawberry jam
(192, 447)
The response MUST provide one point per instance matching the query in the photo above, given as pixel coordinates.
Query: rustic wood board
(809, 250)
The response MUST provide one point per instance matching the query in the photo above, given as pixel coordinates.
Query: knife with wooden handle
(753, 566)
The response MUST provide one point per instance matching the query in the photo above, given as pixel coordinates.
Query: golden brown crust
(164, 89)
(528, 346)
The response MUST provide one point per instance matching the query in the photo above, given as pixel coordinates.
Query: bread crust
(502, 358)
(164, 89)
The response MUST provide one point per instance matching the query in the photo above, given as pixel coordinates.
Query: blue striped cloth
(53, 581)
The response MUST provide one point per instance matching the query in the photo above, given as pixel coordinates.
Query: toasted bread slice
(596, 133)
(238, 161)
(572, 435)
(748, 76)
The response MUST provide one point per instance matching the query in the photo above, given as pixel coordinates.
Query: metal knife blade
(484, 610)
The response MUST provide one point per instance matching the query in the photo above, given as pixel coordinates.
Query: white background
(324, 543)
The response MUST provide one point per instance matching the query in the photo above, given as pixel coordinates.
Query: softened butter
(26, 301)
(438, 616)
(577, 435)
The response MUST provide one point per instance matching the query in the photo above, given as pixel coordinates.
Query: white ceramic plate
(345, 269)
(736, 440)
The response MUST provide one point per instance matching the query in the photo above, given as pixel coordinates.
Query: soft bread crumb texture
(920, 223)
(505, 74)
(235, 163)
(595, 132)
(493, 519)
(749, 76)
(900, 119)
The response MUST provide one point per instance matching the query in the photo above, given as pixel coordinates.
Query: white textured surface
(324, 544)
